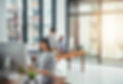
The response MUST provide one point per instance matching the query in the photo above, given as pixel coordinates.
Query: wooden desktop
(71, 55)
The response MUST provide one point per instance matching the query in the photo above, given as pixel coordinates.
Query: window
(47, 16)
(14, 20)
(88, 27)
(33, 23)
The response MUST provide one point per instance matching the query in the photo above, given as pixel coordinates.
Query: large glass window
(14, 20)
(15, 17)
(88, 34)
(109, 6)
(47, 16)
(112, 35)
(92, 17)
(33, 23)
(87, 7)
(61, 17)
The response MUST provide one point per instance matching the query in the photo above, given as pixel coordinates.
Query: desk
(71, 55)
(23, 79)
(4, 81)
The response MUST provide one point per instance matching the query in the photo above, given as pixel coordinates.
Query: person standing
(52, 39)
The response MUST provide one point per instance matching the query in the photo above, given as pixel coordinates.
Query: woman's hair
(45, 40)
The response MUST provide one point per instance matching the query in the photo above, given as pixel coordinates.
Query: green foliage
(22, 70)
(32, 75)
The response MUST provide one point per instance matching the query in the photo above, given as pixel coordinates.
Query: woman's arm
(43, 72)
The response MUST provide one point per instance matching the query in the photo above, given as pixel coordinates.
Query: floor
(94, 74)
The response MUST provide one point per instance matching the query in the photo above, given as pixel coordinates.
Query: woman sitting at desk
(45, 62)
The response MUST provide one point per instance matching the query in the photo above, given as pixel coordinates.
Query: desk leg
(83, 63)
(69, 64)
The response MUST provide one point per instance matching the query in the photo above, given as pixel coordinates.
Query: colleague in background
(61, 45)
(45, 63)
(52, 39)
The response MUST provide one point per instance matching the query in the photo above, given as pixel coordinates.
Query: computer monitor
(12, 56)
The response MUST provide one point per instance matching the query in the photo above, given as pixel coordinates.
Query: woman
(45, 62)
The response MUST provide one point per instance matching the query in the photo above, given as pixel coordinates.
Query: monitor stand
(6, 68)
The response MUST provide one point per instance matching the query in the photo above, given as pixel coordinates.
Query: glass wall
(112, 29)
(112, 35)
(84, 15)
(93, 16)
(47, 16)
(33, 23)
(14, 20)
(88, 34)
(61, 17)
(15, 17)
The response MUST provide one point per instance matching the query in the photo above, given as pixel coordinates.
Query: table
(23, 79)
(71, 55)
(5, 81)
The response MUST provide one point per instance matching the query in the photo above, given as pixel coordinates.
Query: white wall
(3, 28)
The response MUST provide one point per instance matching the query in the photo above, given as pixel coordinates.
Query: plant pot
(32, 82)
(29, 81)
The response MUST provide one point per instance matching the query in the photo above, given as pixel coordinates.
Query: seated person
(45, 63)
(61, 45)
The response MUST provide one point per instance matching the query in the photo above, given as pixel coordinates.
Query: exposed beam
(76, 28)
(95, 1)
(95, 13)
(25, 19)
(41, 19)
(99, 16)
(67, 24)
(54, 13)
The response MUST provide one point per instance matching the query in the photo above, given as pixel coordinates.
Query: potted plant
(21, 71)
(31, 76)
